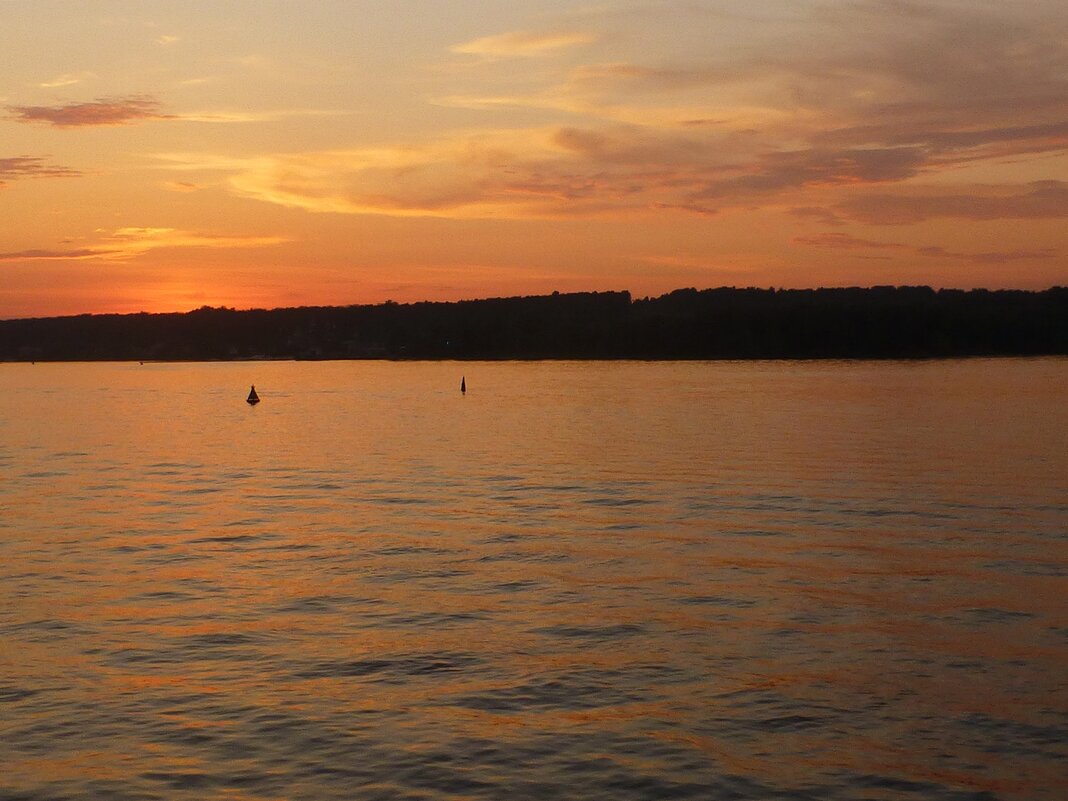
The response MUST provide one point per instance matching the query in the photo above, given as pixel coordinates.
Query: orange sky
(161, 155)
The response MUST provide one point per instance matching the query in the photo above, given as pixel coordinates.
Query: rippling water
(578, 581)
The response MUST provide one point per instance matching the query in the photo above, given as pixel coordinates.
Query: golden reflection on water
(831, 580)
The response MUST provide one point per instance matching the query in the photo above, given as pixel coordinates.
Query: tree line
(725, 323)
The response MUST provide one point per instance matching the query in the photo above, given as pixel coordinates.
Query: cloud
(165, 40)
(125, 243)
(817, 213)
(1039, 200)
(182, 186)
(774, 172)
(47, 255)
(221, 116)
(847, 242)
(692, 208)
(627, 76)
(734, 265)
(786, 110)
(1056, 135)
(103, 111)
(792, 109)
(134, 241)
(568, 170)
(68, 79)
(16, 167)
(989, 257)
(537, 173)
(562, 171)
(139, 108)
(521, 43)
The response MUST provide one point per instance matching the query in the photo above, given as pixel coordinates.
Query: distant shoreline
(685, 325)
(592, 360)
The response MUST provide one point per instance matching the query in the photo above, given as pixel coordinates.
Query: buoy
(463, 384)
(253, 398)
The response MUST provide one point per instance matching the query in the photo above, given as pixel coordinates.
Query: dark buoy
(253, 398)
(463, 385)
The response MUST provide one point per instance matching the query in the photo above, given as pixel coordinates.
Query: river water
(763, 580)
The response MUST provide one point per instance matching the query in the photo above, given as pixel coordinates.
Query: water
(578, 581)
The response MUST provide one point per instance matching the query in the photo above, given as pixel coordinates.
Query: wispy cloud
(103, 111)
(503, 174)
(822, 127)
(225, 116)
(1041, 200)
(67, 79)
(818, 214)
(774, 172)
(166, 40)
(55, 255)
(182, 186)
(16, 167)
(126, 243)
(142, 108)
(840, 241)
(136, 240)
(830, 124)
(989, 257)
(522, 43)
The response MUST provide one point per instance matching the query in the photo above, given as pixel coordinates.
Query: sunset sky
(163, 155)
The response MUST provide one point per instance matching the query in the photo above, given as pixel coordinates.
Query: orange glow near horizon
(167, 157)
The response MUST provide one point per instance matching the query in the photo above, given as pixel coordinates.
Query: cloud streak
(521, 43)
(103, 111)
(840, 241)
(1041, 200)
(17, 167)
(135, 109)
(55, 255)
(127, 243)
(68, 79)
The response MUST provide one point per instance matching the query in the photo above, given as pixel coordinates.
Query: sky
(161, 155)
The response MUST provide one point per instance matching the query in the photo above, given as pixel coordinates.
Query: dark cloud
(1055, 133)
(1042, 200)
(16, 167)
(949, 64)
(103, 111)
(795, 169)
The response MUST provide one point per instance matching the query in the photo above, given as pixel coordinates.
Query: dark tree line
(881, 322)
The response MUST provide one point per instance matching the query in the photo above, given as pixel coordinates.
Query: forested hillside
(881, 322)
